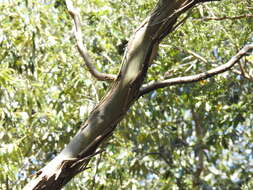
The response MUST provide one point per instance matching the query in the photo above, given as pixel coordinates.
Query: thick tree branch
(81, 48)
(124, 91)
(198, 77)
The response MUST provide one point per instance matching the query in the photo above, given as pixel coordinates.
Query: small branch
(96, 171)
(180, 23)
(81, 48)
(197, 56)
(242, 69)
(168, 73)
(245, 75)
(198, 77)
(225, 17)
(199, 152)
(161, 155)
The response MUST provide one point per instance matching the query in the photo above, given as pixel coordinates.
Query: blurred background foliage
(194, 136)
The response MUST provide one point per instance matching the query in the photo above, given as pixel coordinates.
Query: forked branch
(81, 48)
(198, 77)
(243, 74)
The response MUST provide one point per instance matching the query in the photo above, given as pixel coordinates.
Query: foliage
(46, 92)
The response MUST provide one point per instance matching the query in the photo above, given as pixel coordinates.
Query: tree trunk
(124, 91)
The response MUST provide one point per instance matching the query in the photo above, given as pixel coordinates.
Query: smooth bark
(123, 92)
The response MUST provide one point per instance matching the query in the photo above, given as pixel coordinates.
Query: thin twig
(96, 171)
(224, 17)
(198, 56)
(81, 48)
(198, 77)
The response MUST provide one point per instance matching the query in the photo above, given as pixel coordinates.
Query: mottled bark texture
(123, 92)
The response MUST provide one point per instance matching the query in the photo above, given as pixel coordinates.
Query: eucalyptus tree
(124, 89)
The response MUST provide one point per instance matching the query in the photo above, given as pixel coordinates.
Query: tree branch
(81, 48)
(225, 17)
(198, 77)
(199, 150)
(243, 74)
(196, 55)
(161, 155)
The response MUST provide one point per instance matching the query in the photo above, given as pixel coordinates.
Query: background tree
(190, 135)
